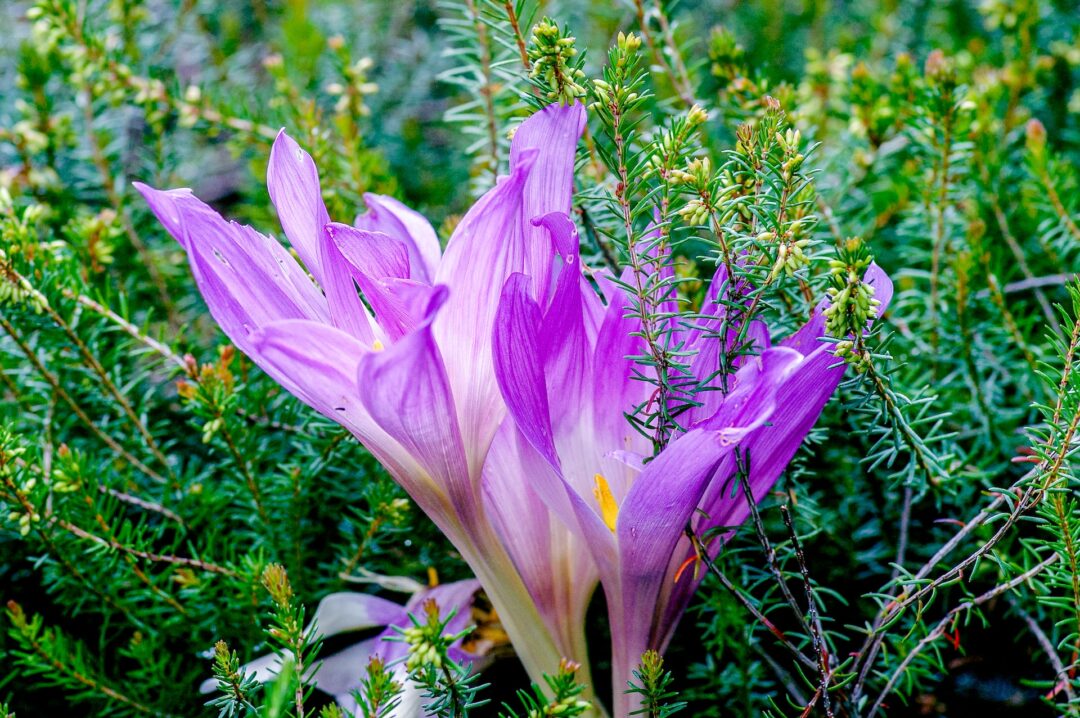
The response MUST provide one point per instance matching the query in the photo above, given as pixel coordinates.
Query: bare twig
(941, 626)
(511, 16)
(816, 634)
(703, 555)
(1061, 673)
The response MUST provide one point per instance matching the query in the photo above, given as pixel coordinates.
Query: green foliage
(379, 694)
(564, 700)
(449, 688)
(655, 688)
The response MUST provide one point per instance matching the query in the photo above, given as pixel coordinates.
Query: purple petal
(564, 341)
(293, 181)
(317, 363)
(406, 391)
(377, 260)
(518, 365)
(387, 215)
(372, 254)
(247, 279)
(352, 611)
(799, 401)
(485, 249)
(556, 569)
(752, 392)
(649, 526)
(554, 132)
(615, 390)
(521, 379)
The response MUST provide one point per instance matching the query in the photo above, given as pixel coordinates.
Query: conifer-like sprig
(654, 687)
(556, 64)
(379, 693)
(297, 647)
(450, 688)
(237, 688)
(564, 700)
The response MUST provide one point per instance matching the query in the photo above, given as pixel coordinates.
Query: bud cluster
(427, 642)
(852, 300)
(553, 65)
(355, 86)
(566, 702)
(618, 90)
(67, 471)
(23, 492)
(213, 393)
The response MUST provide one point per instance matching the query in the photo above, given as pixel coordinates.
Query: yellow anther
(377, 346)
(609, 510)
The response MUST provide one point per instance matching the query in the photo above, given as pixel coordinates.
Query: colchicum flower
(492, 382)
(568, 379)
(413, 378)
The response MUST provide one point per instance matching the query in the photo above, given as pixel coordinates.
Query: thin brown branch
(816, 634)
(146, 555)
(511, 15)
(703, 555)
(1061, 673)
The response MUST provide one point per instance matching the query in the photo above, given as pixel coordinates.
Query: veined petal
(518, 364)
(518, 368)
(554, 131)
(374, 255)
(293, 181)
(247, 279)
(564, 342)
(671, 487)
(649, 526)
(376, 259)
(493, 241)
(317, 363)
(523, 525)
(615, 391)
(485, 249)
(705, 365)
(405, 389)
(387, 215)
(554, 565)
(768, 450)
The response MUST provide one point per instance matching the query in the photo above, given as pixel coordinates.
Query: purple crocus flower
(408, 368)
(568, 384)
